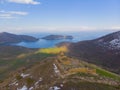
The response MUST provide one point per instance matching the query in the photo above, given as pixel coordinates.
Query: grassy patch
(55, 50)
(87, 86)
(85, 74)
(108, 74)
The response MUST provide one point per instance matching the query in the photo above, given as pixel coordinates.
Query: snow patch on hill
(24, 75)
(115, 43)
(56, 69)
(23, 88)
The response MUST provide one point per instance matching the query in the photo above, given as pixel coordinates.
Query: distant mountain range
(103, 51)
(6, 38)
(57, 37)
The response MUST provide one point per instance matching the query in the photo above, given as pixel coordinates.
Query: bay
(42, 43)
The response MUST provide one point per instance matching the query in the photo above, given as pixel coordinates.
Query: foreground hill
(6, 38)
(61, 73)
(104, 51)
(51, 69)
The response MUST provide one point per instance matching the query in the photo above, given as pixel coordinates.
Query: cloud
(112, 28)
(11, 14)
(116, 27)
(36, 29)
(33, 2)
(18, 13)
(74, 28)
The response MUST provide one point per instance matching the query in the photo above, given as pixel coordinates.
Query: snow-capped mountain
(111, 41)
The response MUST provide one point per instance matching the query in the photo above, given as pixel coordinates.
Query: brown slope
(60, 72)
(98, 52)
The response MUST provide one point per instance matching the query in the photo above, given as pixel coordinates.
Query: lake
(42, 43)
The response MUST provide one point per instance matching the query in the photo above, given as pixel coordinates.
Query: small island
(57, 37)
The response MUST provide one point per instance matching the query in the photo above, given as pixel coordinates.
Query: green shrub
(18, 77)
(29, 81)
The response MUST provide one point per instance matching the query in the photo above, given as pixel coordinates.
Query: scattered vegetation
(64, 60)
(1, 81)
(21, 55)
(18, 77)
(82, 70)
(29, 81)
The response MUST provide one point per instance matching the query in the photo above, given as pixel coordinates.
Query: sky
(59, 15)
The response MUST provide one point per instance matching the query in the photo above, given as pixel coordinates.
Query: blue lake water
(41, 43)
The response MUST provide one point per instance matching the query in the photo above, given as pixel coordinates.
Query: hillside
(7, 38)
(103, 51)
(67, 67)
(56, 71)
(110, 41)
(11, 59)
